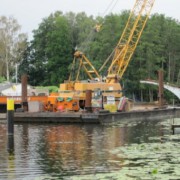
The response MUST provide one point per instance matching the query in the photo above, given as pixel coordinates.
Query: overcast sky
(30, 13)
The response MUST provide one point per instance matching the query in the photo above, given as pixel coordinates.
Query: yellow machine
(121, 56)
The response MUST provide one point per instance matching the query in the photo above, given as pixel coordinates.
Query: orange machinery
(50, 103)
(18, 100)
(55, 102)
(71, 95)
(72, 92)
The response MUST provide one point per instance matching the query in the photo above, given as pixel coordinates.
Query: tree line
(48, 56)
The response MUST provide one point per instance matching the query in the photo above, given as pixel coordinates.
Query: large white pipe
(173, 89)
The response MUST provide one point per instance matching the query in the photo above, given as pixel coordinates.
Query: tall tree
(12, 45)
(50, 51)
(59, 51)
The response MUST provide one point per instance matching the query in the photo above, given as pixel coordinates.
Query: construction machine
(72, 93)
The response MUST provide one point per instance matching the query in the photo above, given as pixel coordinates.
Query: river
(70, 151)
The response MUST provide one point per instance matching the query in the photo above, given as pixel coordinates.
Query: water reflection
(70, 148)
(60, 150)
(10, 144)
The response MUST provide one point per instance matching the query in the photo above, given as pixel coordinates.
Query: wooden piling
(88, 105)
(24, 92)
(161, 88)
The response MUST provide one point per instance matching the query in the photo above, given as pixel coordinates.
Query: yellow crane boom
(129, 39)
(86, 65)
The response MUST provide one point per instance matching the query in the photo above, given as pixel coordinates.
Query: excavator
(72, 93)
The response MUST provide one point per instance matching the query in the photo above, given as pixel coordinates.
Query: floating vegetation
(146, 161)
(128, 150)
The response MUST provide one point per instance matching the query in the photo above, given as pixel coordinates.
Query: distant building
(13, 89)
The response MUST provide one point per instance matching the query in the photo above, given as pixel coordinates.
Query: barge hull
(99, 118)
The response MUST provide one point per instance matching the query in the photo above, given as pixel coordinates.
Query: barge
(101, 117)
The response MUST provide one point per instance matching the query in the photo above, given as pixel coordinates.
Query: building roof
(5, 85)
(14, 89)
(11, 89)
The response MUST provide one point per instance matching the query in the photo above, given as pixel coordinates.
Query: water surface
(64, 151)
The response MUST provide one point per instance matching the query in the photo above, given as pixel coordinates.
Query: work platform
(102, 117)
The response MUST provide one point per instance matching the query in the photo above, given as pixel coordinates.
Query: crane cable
(98, 26)
(108, 58)
(111, 3)
(89, 38)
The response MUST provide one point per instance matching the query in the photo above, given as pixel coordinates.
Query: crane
(120, 58)
(129, 40)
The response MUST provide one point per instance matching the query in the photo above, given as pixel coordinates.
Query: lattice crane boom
(129, 39)
(85, 64)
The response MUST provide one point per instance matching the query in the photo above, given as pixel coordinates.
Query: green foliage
(49, 52)
(50, 88)
(12, 46)
(2, 79)
(48, 56)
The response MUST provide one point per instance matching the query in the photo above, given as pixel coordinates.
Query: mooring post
(88, 100)
(10, 145)
(24, 92)
(161, 88)
(10, 116)
(102, 99)
(10, 125)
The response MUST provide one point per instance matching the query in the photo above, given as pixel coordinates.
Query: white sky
(30, 13)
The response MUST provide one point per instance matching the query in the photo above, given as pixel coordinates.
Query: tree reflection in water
(61, 150)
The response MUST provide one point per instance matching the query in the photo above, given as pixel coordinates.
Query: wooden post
(102, 99)
(24, 92)
(88, 105)
(161, 88)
